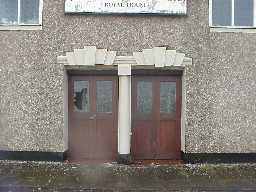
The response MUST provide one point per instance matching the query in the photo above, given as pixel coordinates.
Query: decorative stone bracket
(90, 55)
(158, 56)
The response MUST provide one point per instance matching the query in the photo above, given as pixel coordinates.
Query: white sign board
(171, 7)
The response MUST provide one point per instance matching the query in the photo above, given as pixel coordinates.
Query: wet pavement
(64, 177)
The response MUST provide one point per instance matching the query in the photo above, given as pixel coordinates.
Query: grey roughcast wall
(221, 105)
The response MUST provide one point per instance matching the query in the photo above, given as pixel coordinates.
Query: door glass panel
(104, 96)
(144, 97)
(81, 96)
(167, 97)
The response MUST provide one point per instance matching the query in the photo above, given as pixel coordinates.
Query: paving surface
(63, 177)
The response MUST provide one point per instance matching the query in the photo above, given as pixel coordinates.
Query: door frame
(154, 58)
(149, 71)
(94, 76)
(113, 71)
(150, 75)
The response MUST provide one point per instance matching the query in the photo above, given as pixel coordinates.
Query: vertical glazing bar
(210, 13)
(254, 13)
(40, 12)
(19, 12)
(233, 13)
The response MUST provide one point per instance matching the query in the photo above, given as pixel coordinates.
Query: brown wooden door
(92, 118)
(156, 108)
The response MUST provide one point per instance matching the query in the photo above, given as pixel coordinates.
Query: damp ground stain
(47, 176)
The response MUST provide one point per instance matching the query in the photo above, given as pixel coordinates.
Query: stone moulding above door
(158, 57)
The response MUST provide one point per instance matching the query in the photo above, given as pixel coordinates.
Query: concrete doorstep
(48, 176)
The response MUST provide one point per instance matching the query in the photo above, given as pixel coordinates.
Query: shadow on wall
(3, 121)
(3, 127)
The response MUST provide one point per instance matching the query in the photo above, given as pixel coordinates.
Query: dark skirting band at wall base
(127, 158)
(219, 157)
(32, 156)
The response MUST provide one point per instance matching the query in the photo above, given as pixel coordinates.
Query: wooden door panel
(142, 140)
(106, 142)
(78, 138)
(168, 140)
(92, 121)
(142, 118)
(106, 121)
(156, 133)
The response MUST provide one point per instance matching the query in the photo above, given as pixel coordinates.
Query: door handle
(92, 117)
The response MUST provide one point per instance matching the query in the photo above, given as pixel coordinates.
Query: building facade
(116, 86)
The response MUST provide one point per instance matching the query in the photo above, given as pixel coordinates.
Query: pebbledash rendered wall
(221, 83)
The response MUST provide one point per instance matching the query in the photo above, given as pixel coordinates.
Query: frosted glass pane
(29, 12)
(222, 12)
(167, 97)
(9, 12)
(104, 96)
(243, 12)
(81, 96)
(144, 97)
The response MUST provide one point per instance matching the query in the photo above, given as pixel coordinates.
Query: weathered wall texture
(221, 105)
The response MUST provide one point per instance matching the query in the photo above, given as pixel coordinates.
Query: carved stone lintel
(158, 56)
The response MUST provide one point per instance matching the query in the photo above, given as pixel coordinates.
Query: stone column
(124, 118)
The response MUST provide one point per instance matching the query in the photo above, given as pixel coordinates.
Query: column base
(124, 159)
